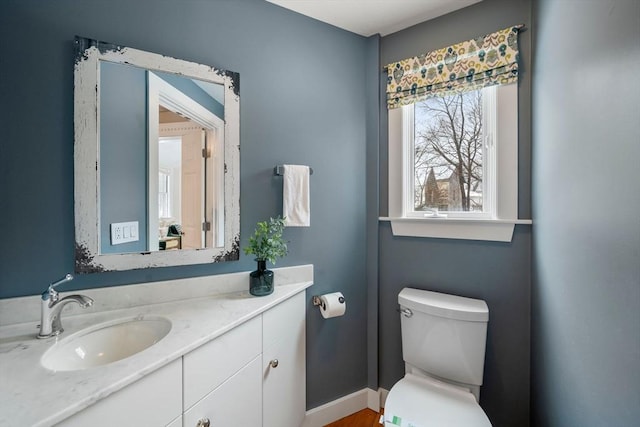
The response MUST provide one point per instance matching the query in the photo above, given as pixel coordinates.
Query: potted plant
(267, 245)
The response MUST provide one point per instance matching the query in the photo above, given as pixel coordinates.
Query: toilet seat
(424, 402)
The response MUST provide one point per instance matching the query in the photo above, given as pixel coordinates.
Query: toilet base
(417, 401)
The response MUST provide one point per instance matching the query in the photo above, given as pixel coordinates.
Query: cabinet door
(236, 402)
(283, 362)
(155, 400)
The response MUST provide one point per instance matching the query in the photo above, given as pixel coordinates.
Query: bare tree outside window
(448, 153)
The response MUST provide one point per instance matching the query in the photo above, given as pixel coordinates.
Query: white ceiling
(368, 17)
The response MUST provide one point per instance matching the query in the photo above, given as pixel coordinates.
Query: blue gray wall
(123, 153)
(302, 102)
(586, 287)
(372, 79)
(499, 273)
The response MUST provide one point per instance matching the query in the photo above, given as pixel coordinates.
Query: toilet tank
(444, 335)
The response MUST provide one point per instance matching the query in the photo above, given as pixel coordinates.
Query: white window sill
(493, 230)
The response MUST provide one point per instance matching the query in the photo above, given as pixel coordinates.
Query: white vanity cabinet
(154, 400)
(215, 361)
(253, 375)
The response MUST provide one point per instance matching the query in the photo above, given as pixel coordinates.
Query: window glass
(448, 153)
(164, 194)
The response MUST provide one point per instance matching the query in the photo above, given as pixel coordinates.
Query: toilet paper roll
(332, 305)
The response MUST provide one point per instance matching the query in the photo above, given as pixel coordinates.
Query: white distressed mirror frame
(88, 258)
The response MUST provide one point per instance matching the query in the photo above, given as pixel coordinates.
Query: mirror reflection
(180, 121)
(165, 150)
(187, 206)
(190, 144)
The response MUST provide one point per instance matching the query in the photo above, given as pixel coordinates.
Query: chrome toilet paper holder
(318, 302)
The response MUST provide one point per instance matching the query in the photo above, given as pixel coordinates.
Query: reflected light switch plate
(124, 232)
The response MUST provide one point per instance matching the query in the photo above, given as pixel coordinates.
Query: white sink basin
(106, 343)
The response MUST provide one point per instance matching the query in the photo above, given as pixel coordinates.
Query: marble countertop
(35, 396)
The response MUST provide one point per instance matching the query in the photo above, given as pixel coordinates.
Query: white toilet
(443, 345)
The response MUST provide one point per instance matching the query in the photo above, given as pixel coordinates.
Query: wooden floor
(364, 418)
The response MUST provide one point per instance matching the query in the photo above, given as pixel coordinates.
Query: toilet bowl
(443, 345)
(416, 401)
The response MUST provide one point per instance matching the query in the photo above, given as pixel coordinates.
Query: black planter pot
(261, 280)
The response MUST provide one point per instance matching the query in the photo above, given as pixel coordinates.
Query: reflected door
(192, 190)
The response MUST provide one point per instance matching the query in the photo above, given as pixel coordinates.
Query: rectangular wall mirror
(157, 160)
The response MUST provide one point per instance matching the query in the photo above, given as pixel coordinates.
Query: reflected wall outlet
(124, 232)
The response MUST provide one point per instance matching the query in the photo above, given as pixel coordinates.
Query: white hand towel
(295, 196)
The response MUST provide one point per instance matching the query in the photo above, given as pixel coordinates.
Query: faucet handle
(51, 291)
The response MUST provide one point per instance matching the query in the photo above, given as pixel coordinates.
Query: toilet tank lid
(444, 305)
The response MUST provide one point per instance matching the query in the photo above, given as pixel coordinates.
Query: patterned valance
(466, 66)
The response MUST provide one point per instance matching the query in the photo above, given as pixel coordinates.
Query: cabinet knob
(203, 422)
(274, 363)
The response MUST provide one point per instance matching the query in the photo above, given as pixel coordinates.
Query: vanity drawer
(210, 365)
(153, 400)
(237, 402)
(284, 320)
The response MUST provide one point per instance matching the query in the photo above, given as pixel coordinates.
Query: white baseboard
(383, 396)
(373, 400)
(342, 407)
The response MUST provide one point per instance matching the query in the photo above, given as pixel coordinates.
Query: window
(453, 140)
(453, 166)
(164, 194)
(451, 155)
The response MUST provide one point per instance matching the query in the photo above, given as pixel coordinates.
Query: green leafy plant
(267, 243)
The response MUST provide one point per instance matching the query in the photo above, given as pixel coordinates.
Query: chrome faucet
(51, 308)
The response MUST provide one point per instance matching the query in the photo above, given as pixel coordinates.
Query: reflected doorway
(186, 172)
